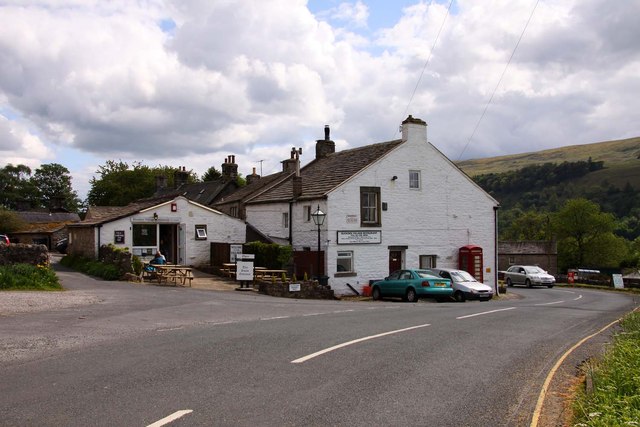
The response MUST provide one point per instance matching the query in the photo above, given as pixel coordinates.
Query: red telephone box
(470, 260)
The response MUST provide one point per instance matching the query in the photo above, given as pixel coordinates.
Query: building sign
(352, 219)
(360, 237)
(294, 287)
(118, 237)
(234, 250)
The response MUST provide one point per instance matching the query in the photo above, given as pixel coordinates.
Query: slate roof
(44, 221)
(254, 189)
(323, 175)
(101, 214)
(204, 193)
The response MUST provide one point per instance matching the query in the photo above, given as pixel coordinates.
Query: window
(414, 180)
(345, 261)
(307, 213)
(144, 235)
(370, 207)
(201, 232)
(234, 211)
(285, 220)
(512, 260)
(428, 261)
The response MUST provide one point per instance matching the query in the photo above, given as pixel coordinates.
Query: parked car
(61, 245)
(528, 275)
(4, 239)
(411, 285)
(465, 286)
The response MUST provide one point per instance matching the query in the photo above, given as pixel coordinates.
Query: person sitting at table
(159, 259)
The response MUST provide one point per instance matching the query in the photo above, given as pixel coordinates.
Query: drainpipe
(291, 223)
(495, 247)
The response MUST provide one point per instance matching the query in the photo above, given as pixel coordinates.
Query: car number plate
(440, 285)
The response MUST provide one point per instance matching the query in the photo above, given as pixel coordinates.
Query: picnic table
(177, 274)
(228, 269)
(263, 273)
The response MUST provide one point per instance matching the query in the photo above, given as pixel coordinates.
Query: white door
(182, 244)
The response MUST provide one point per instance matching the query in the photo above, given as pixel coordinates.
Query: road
(143, 353)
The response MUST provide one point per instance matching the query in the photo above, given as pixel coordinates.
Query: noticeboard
(118, 237)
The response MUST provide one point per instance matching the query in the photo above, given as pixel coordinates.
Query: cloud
(173, 82)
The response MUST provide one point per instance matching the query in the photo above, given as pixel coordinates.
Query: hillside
(624, 154)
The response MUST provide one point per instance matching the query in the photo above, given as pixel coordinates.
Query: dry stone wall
(20, 253)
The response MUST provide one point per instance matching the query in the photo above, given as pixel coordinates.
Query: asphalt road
(143, 353)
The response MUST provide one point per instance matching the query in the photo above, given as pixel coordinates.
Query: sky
(189, 82)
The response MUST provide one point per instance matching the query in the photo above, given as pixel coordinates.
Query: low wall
(120, 258)
(308, 290)
(22, 253)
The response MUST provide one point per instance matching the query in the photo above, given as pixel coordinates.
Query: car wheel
(528, 283)
(459, 296)
(375, 294)
(411, 295)
(509, 282)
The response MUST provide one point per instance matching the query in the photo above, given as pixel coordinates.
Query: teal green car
(412, 285)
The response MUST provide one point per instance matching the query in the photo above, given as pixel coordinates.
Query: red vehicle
(4, 239)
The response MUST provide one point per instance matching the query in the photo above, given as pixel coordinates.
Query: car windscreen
(462, 276)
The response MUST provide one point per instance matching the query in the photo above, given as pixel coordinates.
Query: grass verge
(27, 277)
(614, 397)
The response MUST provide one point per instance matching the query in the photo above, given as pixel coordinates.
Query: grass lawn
(26, 277)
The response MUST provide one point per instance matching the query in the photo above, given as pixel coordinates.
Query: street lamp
(318, 219)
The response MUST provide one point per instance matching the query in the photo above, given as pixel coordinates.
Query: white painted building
(396, 204)
(182, 229)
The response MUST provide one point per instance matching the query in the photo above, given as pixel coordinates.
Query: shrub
(270, 255)
(91, 267)
(28, 277)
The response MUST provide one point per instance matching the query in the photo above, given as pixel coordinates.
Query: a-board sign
(233, 251)
(244, 270)
(617, 281)
(245, 257)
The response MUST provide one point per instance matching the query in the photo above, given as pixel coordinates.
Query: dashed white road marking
(576, 299)
(171, 418)
(275, 318)
(170, 329)
(485, 312)
(345, 344)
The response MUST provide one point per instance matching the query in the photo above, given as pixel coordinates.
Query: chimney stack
(253, 177)
(325, 146)
(180, 177)
(229, 169)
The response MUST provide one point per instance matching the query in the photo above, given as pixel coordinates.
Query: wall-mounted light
(394, 177)
(155, 216)
(174, 207)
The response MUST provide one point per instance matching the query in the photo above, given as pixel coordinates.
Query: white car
(465, 286)
(528, 275)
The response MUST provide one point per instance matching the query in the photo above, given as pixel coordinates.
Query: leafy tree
(119, 184)
(585, 235)
(52, 182)
(16, 187)
(212, 174)
(9, 221)
(528, 225)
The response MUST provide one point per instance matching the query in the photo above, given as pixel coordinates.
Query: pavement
(202, 280)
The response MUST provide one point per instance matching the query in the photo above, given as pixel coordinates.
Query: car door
(403, 282)
(387, 286)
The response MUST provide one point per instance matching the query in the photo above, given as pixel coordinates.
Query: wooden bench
(176, 274)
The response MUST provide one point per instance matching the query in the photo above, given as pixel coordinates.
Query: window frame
(417, 181)
(376, 208)
(306, 213)
(432, 261)
(200, 231)
(285, 219)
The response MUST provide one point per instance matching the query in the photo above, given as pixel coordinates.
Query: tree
(120, 184)
(9, 221)
(585, 235)
(53, 184)
(212, 174)
(15, 186)
(528, 225)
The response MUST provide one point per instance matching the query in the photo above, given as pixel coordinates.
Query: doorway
(168, 243)
(395, 261)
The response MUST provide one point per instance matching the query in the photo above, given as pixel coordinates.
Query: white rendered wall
(220, 228)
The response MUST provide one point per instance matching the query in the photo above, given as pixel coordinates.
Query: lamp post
(318, 219)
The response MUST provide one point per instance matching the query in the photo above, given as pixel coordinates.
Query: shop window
(370, 207)
(145, 235)
(201, 232)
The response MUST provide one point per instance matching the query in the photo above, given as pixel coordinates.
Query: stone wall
(308, 290)
(18, 253)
